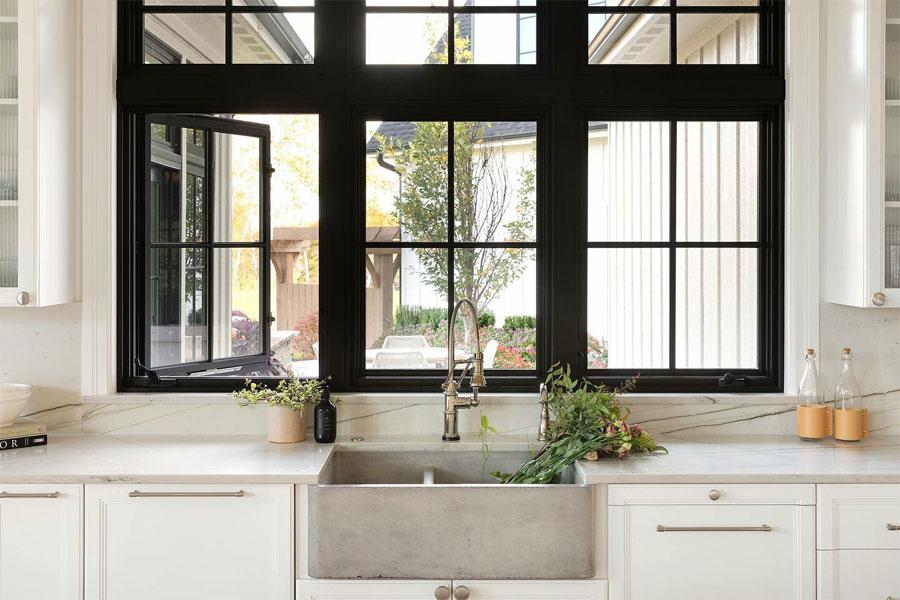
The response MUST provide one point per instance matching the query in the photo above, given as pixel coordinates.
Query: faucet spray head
(478, 380)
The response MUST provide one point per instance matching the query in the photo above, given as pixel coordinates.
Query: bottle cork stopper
(846, 350)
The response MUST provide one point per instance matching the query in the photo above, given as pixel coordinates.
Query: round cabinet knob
(714, 495)
(442, 592)
(879, 298)
(461, 592)
(23, 298)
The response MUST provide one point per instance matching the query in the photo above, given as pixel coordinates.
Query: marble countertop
(70, 458)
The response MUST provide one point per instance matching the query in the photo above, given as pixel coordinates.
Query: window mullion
(451, 218)
(209, 191)
(673, 233)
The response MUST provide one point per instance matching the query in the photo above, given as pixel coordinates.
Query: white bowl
(13, 398)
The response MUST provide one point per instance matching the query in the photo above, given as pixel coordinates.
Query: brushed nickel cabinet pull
(139, 494)
(892, 527)
(667, 529)
(28, 495)
(442, 592)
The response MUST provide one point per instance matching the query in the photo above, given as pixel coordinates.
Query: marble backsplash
(874, 336)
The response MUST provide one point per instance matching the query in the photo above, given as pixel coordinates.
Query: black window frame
(562, 92)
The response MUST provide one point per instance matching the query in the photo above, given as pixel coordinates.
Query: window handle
(731, 380)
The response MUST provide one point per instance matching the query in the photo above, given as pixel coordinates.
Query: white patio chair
(490, 352)
(400, 360)
(405, 341)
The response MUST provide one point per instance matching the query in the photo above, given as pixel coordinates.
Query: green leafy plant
(587, 422)
(513, 322)
(292, 393)
(486, 448)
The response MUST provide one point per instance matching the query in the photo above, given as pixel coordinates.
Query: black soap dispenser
(326, 417)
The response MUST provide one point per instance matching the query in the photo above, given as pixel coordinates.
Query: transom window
(622, 215)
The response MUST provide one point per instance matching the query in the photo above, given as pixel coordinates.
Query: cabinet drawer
(622, 495)
(859, 575)
(859, 517)
(659, 552)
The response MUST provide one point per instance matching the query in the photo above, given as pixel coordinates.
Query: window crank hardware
(732, 380)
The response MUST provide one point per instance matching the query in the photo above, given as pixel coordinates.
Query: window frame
(562, 92)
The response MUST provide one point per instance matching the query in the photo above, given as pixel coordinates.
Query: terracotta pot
(286, 426)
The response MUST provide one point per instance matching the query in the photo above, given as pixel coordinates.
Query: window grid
(452, 244)
(599, 7)
(228, 10)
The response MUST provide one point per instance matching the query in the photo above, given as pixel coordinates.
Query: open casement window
(207, 247)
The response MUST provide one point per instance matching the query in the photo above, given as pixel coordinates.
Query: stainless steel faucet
(452, 400)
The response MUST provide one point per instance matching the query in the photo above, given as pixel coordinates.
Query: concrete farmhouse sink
(433, 515)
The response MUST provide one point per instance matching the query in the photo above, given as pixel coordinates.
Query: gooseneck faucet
(452, 400)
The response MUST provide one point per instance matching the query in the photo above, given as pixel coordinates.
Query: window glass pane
(196, 38)
(628, 308)
(273, 38)
(237, 188)
(178, 186)
(718, 39)
(628, 181)
(494, 176)
(614, 3)
(502, 283)
(406, 308)
(527, 39)
(415, 38)
(406, 181)
(178, 311)
(238, 305)
(893, 9)
(494, 3)
(716, 308)
(717, 173)
(628, 39)
(295, 240)
(488, 38)
(151, 3)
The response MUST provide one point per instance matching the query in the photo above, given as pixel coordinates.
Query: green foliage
(513, 322)
(586, 421)
(411, 316)
(293, 393)
(486, 428)
(486, 318)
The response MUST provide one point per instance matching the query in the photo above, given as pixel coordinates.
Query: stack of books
(24, 433)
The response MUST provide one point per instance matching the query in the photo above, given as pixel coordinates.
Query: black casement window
(308, 188)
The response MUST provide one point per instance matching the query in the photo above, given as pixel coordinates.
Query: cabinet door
(190, 542)
(528, 590)
(759, 552)
(859, 575)
(336, 589)
(40, 542)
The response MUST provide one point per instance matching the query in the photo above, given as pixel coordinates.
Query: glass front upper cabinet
(38, 98)
(892, 146)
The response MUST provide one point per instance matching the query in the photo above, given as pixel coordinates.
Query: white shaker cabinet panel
(40, 542)
(530, 590)
(859, 575)
(336, 589)
(706, 551)
(859, 517)
(188, 542)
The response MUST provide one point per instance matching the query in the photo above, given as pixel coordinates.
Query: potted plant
(286, 404)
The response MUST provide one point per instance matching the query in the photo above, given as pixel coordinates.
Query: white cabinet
(861, 144)
(859, 542)
(336, 589)
(859, 575)
(38, 192)
(40, 542)
(324, 589)
(530, 590)
(188, 542)
(710, 542)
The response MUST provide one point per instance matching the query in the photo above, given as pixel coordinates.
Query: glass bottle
(813, 416)
(850, 416)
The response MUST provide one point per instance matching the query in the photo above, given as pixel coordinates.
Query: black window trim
(562, 92)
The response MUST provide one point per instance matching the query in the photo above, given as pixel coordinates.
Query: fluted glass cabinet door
(9, 156)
